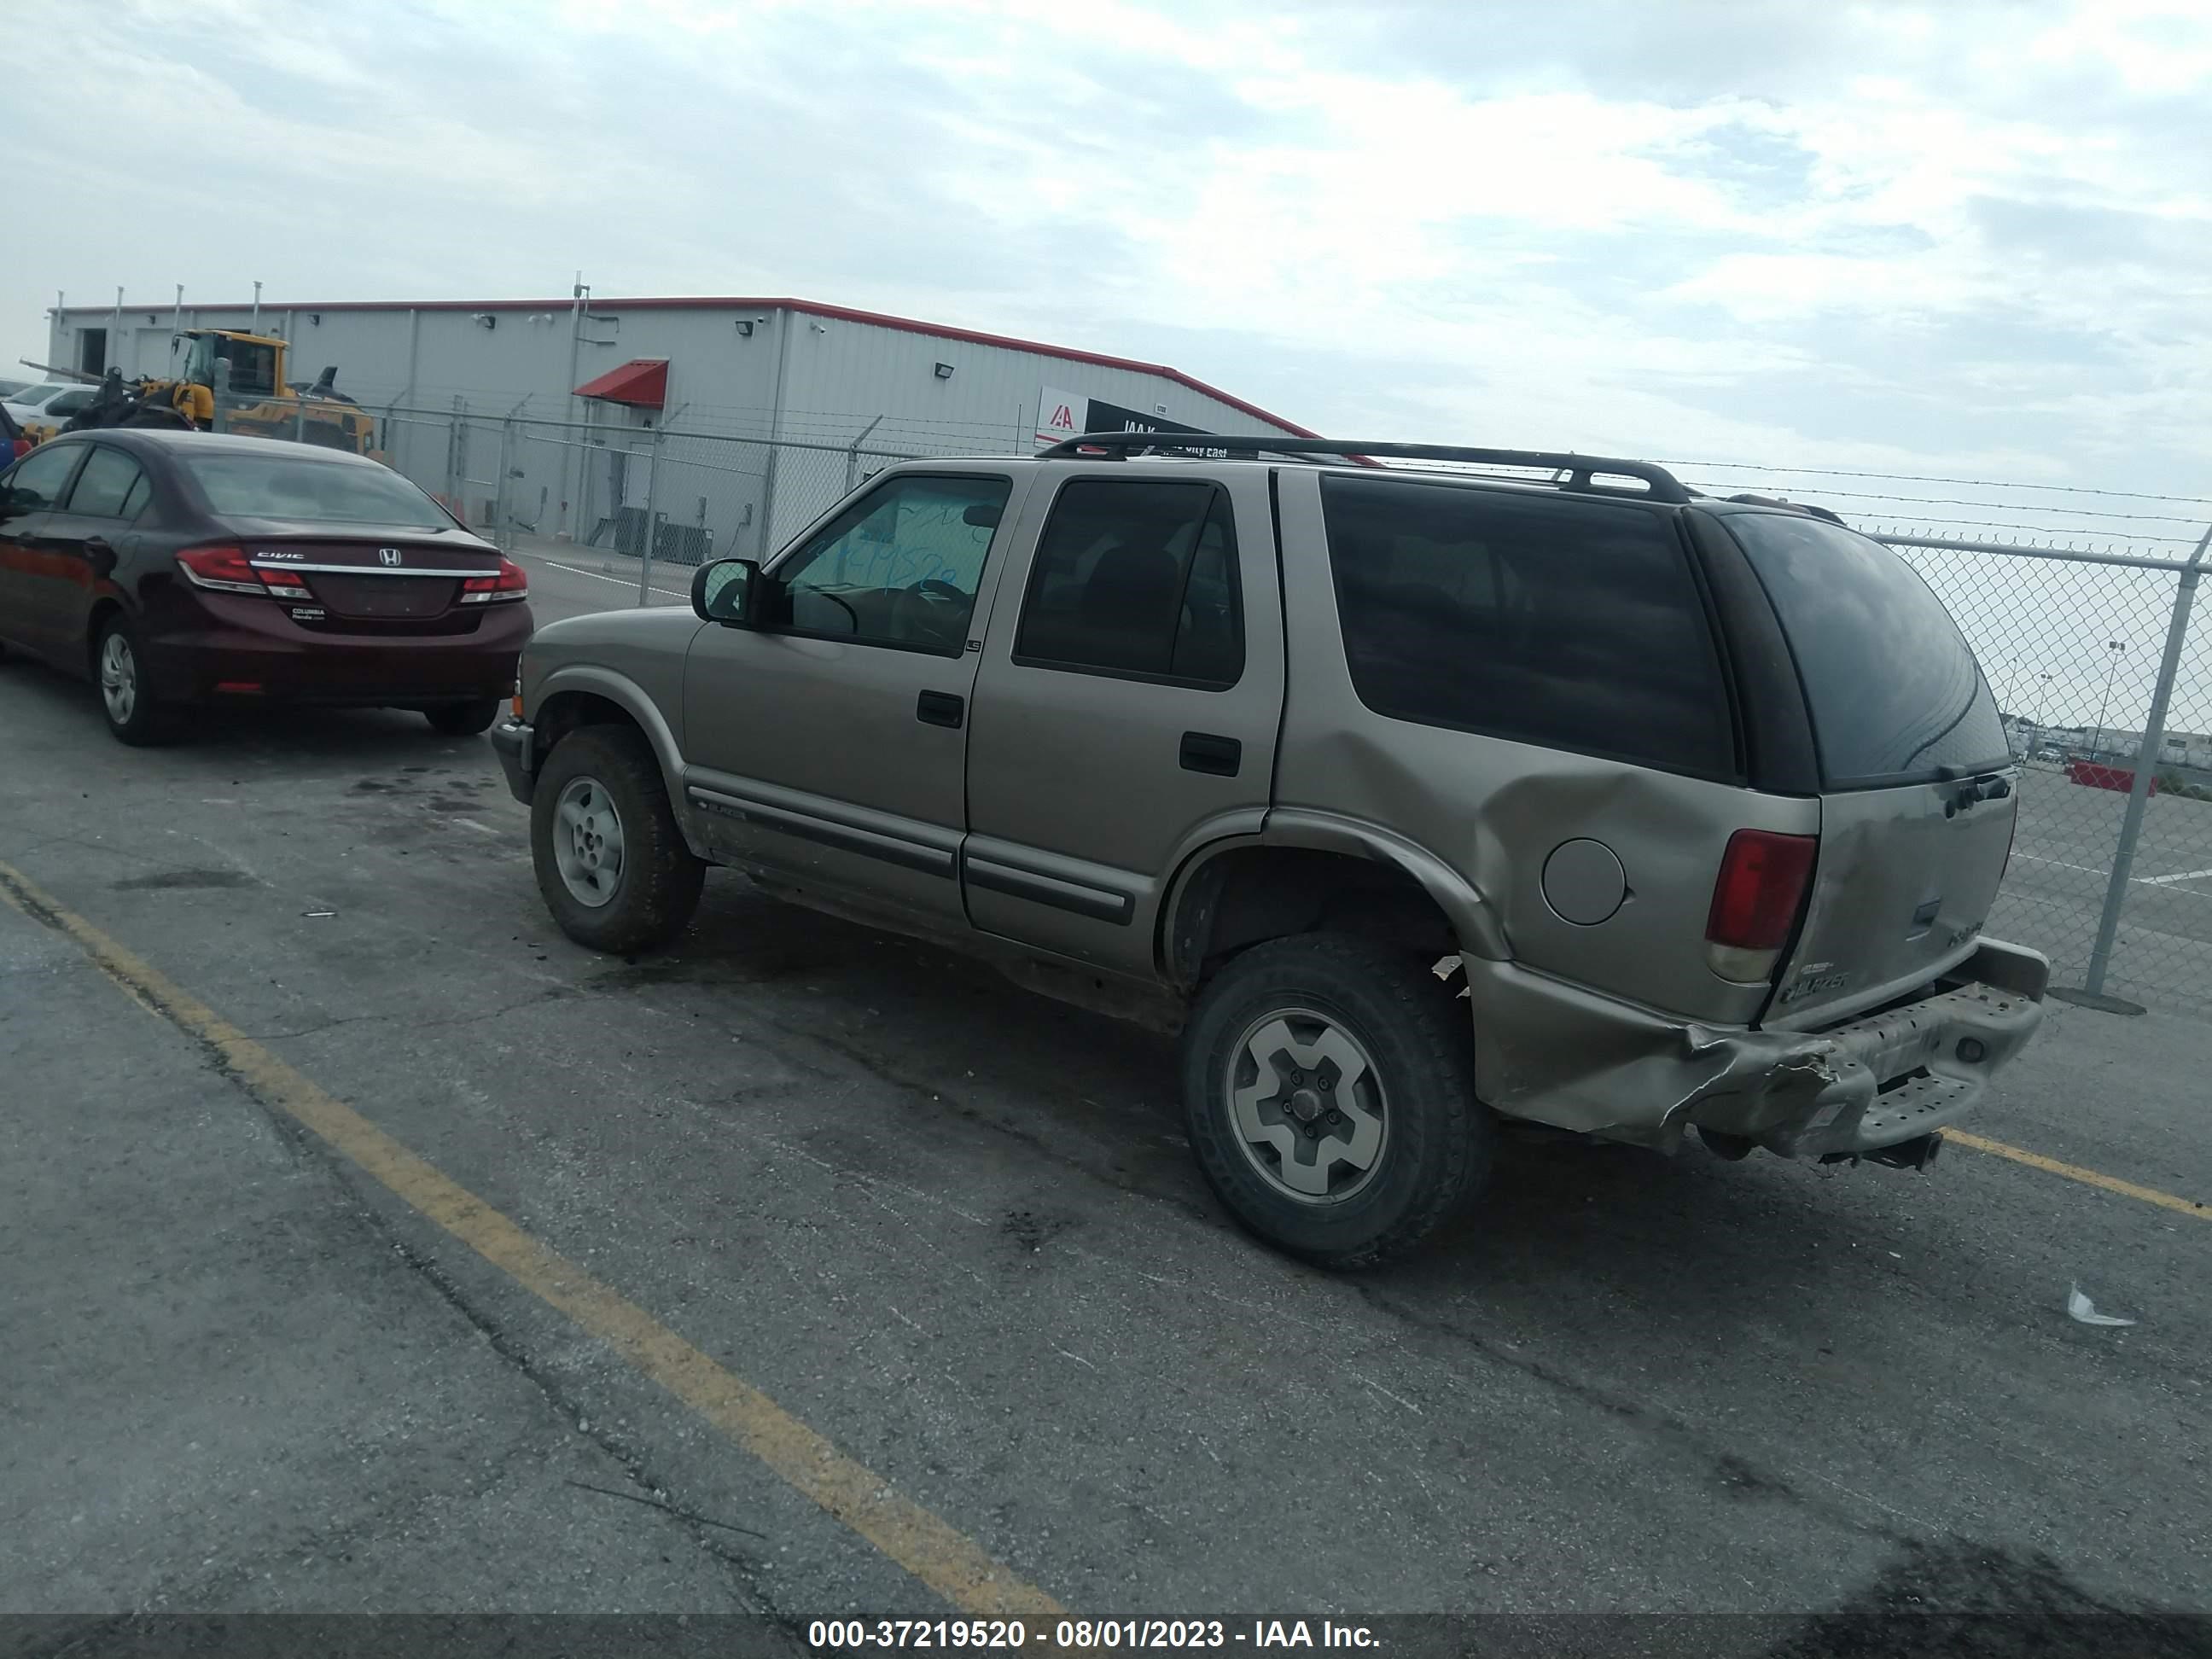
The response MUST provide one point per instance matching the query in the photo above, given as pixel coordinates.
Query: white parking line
(2086, 869)
(2133, 881)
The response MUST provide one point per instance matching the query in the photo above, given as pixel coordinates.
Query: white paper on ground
(2085, 1311)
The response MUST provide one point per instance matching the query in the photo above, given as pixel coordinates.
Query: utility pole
(2116, 647)
(572, 508)
(254, 327)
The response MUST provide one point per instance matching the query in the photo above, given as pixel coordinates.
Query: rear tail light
(1761, 889)
(226, 569)
(512, 582)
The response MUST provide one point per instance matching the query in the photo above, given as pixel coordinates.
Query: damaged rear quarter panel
(1495, 811)
(1612, 1027)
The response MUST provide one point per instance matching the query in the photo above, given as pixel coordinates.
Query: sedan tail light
(512, 582)
(226, 569)
(1756, 898)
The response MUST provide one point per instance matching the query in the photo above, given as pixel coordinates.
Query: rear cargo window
(1894, 692)
(1569, 624)
(310, 491)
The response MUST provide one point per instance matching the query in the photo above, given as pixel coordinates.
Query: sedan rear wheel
(134, 715)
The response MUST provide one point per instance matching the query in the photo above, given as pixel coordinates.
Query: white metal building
(782, 372)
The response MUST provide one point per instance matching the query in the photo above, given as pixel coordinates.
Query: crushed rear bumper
(1555, 1054)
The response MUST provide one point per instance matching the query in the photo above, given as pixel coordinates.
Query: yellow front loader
(225, 380)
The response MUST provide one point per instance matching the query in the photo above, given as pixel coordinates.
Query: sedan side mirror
(726, 591)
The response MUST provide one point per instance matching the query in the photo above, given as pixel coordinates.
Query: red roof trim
(811, 308)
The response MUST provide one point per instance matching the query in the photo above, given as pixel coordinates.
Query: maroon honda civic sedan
(182, 568)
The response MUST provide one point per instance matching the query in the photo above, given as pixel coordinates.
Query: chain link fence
(2081, 604)
(2099, 658)
(2102, 665)
(663, 495)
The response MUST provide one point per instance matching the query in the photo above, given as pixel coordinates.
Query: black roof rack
(1662, 485)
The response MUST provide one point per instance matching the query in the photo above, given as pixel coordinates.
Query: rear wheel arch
(95, 621)
(1232, 896)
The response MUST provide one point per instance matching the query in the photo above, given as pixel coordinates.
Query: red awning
(642, 382)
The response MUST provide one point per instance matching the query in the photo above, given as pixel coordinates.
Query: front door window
(900, 567)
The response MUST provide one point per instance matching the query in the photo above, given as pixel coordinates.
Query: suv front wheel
(1328, 1082)
(610, 861)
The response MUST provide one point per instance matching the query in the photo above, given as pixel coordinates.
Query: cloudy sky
(1958, 238)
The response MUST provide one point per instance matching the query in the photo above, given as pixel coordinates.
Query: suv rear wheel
(610, 861)
(1328, 1083)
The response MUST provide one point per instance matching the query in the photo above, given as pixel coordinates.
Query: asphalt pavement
(951, 1231)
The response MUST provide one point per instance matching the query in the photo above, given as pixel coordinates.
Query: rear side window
(1136, 578)
(1573, 624)
(1893, 689)
(110, 487)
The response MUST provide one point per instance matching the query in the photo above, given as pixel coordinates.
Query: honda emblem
(387, 555)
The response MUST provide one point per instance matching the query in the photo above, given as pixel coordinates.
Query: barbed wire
(1932, 479)
(1903, 525)
(1952, 501)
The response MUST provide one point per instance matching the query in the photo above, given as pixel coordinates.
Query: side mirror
(726, 591)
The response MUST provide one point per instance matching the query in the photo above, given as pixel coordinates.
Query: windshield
(1894, 692)
(36, 396)
(312, 491)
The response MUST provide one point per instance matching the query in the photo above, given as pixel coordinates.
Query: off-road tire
(1438, 1141)
(657, 888)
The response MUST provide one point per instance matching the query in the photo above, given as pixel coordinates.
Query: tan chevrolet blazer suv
(1419, 788)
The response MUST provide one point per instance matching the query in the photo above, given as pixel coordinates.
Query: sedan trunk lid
(399, 576)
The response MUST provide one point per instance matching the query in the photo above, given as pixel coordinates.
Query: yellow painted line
(2075, 1172)
(932, 1549)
